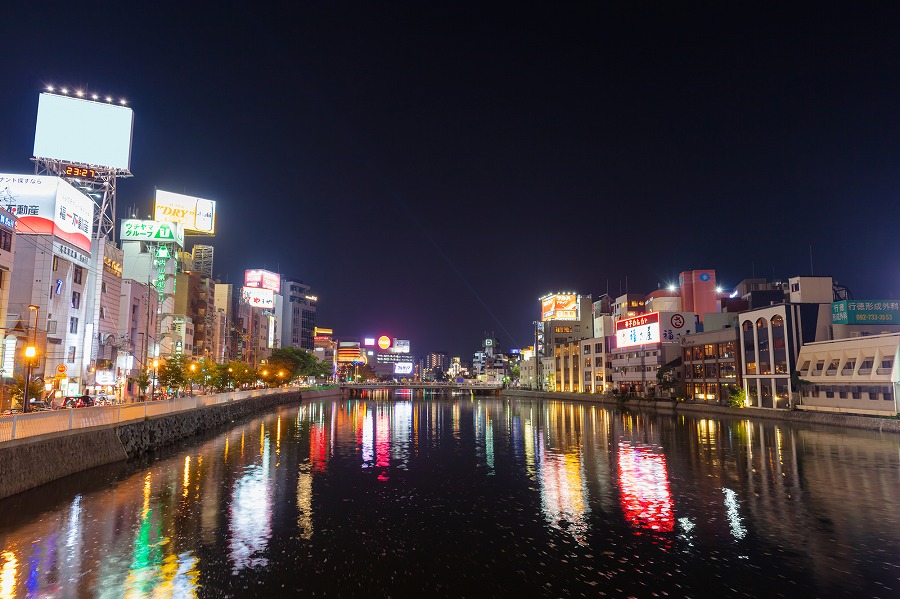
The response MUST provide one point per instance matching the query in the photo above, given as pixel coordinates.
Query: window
(710, 351)
(102, 313)
(70, 355)
(103, 287)
(55, 263)
(76, 299)
(77, 274)
(5, 240)
(73, 325)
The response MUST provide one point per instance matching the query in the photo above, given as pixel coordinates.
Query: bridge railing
(467, 385)
(19, 426)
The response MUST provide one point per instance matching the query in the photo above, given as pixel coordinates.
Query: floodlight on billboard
(82, 131)
(197, 215)
(559, 306)
(48, 206)
(638, 330)
(258, 298)
(152, 230)
(263, 279)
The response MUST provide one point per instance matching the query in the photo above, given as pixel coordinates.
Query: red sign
(627, 323)
(61, 369)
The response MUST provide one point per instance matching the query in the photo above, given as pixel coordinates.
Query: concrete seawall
(33, 461)
(887, 425)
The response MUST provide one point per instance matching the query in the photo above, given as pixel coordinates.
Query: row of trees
(284, 365)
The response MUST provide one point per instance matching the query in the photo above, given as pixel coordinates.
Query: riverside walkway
(20, 426)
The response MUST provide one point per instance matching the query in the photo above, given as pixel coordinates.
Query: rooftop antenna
(811, 271)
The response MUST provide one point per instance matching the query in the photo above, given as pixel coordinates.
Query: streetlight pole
(30, 356)
(193, 369)
(153, 379)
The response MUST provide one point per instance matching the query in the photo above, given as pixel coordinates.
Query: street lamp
(193, 370)
(153, 389)
(30, 357)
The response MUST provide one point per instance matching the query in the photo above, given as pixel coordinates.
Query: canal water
(393, 495)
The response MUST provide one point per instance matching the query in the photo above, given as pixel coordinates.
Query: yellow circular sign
(384, 342)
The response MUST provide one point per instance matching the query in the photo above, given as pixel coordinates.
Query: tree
(35, 389)
(173, 372)
(143, 381)
(736, 396)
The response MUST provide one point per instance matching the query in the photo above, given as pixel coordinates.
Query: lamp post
(153, 379)
(193, 370)
(30, 357)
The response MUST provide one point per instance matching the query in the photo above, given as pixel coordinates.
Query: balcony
(882, 371)
(865, 371)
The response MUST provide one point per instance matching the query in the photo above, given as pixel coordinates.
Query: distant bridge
(475, 387)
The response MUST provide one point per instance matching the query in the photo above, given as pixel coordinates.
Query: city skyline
(432, 171)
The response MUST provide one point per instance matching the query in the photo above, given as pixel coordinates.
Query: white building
(859, 375)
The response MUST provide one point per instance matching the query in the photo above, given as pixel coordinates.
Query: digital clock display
(82, 172)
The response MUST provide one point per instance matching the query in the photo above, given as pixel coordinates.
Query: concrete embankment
(33, 461)
(871, 423)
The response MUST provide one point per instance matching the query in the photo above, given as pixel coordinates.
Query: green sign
(865, 312)
(152, 230)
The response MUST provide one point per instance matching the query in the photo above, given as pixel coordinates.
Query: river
(471, 496)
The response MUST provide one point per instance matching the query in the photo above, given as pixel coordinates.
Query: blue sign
(7, 222)
(704, 276)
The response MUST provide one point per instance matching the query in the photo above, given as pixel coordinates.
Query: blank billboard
(76, 130)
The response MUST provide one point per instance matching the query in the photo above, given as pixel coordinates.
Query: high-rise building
(298, 315)
(202, 256)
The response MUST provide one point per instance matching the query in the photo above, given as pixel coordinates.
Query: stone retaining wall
(159, 431)
(32, 461)
(872, 423)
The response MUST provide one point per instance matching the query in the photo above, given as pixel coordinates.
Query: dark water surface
(469, 496)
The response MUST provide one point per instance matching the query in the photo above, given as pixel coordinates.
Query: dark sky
(432, 168)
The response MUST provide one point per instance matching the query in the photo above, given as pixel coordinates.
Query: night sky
(432, 168)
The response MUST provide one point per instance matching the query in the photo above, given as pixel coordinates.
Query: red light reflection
(644, 486)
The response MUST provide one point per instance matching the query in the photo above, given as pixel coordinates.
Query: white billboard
(259, 298)
(197, 215)
(83, 131)
(401, 346)
(403, 367)
(48, 206)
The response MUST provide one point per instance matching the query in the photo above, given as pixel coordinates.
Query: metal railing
(19, 426)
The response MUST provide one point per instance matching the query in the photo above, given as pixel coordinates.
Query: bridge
(473, 386)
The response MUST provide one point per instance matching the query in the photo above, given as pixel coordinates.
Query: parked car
(85, 401)
(74, 401)
(36, 405)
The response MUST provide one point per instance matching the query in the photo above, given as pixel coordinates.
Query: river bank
(33, 461)
(869, 423)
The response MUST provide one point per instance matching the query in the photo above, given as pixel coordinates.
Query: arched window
(749, 347)
(779, 350)
(762, 342)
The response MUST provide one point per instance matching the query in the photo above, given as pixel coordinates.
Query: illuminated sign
(865, 312)
(401, 346)
(562, 329)
(488, 342)
(48, 206)
(7, 221)
(151, 230)
(258, 298)
(197, 215)
(263, 279)
(403, 368)
(369, 342)
(384, 342)
(80, 172)
(560, 306)
(638, 330)
(82, 131)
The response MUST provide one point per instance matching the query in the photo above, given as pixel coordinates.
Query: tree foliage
(172, 373)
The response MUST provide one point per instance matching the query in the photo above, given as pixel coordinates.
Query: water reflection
(427, 494)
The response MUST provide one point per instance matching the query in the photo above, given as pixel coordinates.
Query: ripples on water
(471, 496)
